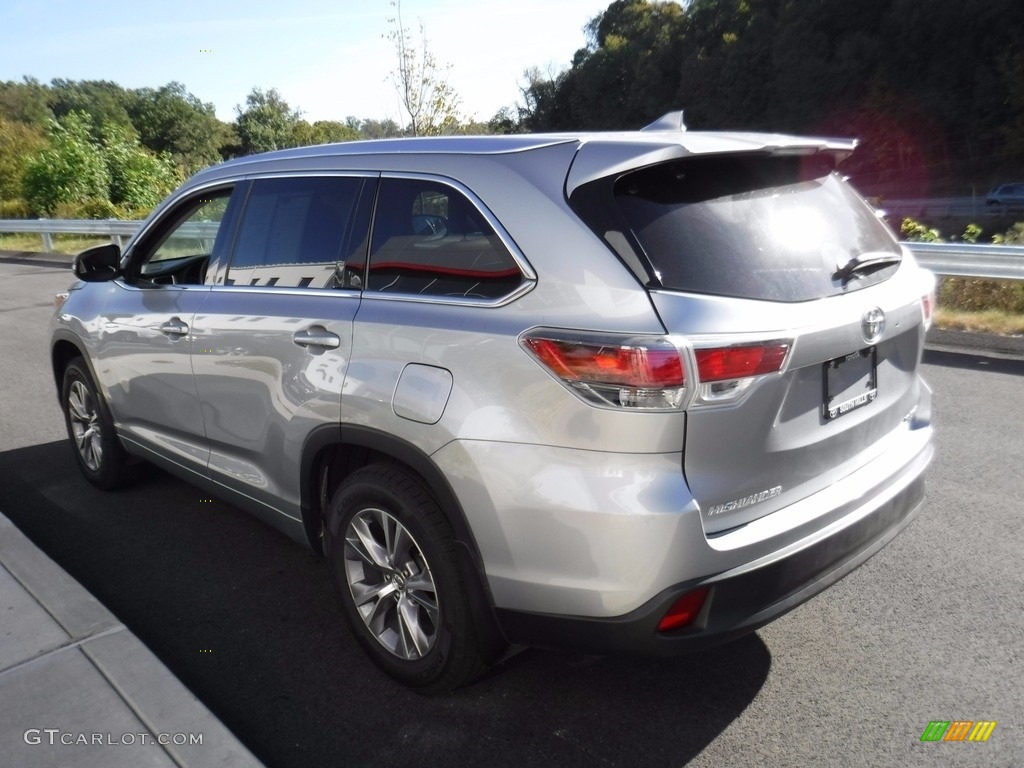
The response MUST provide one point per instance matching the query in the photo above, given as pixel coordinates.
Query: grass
(985, 321)
(983, 306)
(70, 244)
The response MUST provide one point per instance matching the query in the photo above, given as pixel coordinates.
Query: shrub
(969, 295)
(1013, 236)
(90, 208)
(916, 232)
(14, 209)
(71, 168)
(138, 178)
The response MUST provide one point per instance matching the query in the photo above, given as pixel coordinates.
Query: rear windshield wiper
(864, 263)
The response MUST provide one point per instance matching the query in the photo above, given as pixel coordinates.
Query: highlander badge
(746, 501)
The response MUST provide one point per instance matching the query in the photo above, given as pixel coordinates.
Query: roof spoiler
(670, 121)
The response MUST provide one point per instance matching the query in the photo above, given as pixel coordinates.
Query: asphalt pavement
(156, 611)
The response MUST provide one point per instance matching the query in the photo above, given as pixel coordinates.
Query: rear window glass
(773, 228)
(430, 240)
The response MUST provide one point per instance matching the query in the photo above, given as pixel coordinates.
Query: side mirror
(98, 264)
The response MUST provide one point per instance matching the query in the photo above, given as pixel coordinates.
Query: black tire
(96, 447)
(432, 651)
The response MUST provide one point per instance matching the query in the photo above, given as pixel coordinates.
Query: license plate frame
(849, 382)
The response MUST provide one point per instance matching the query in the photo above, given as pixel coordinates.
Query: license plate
(850, 382)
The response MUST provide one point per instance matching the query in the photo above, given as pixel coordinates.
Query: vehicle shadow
(973, 362)
(249, 622)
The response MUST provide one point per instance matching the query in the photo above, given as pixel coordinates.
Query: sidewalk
(78, 688)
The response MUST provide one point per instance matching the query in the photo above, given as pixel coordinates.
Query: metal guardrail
(997, 262)
(115, 229)
(945, 206)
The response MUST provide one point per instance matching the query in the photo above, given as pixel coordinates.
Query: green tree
(505, 120)
(170, 119)
(626, 76)
(70, 169)
(102, 100)
(542, 107)
(25, 102)
(933, 90)
(374, 129)
(322, 132)
(267, 122)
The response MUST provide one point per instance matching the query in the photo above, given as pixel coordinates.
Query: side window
(300, 232)
(180, 252)
(430, 240)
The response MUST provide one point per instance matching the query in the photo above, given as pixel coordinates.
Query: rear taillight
(726, 372)
(740, 362)
(634, 372)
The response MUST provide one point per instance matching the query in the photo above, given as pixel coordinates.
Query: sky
(331, 60)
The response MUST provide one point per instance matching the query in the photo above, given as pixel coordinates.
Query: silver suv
(638, 391)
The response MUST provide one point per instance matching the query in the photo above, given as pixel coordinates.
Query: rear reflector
(643, 372)
(724, 363)
(684, 610)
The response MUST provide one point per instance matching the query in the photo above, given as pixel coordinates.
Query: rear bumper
(738, 602)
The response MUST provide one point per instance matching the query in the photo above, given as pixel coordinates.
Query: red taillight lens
(684, 610)
(724, 363)
(636, 372)
(624, 366)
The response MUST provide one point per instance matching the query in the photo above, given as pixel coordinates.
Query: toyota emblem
(872, 324)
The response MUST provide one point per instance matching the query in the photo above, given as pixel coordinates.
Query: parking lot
(932, 628)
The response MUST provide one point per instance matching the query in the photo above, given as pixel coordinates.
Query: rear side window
(757, 227)
(430, 240)
(300, 233)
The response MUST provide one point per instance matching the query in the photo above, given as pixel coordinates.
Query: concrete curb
(78, 688)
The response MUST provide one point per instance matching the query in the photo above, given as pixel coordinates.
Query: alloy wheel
(85, 425)
(391, 584)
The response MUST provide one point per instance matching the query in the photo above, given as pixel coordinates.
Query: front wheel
(392, 556)
(91, 430)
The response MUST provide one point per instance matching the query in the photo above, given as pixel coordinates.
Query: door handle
(317, 338)
(174, 327)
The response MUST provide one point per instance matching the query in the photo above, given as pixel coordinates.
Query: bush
(965, 294)
(916, 232)
(14, 209)
(71, 168)
(138, 178)
(971, 233)
(76, 169)
(1013, 236)
(91, 208)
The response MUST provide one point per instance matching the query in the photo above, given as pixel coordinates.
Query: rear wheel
(97, 449)
(393, 559)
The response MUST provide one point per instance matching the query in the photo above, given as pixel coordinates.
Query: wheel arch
(64, 348)
(346, 448)
(342, 449)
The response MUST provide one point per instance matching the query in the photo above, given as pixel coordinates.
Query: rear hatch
(801, 317)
